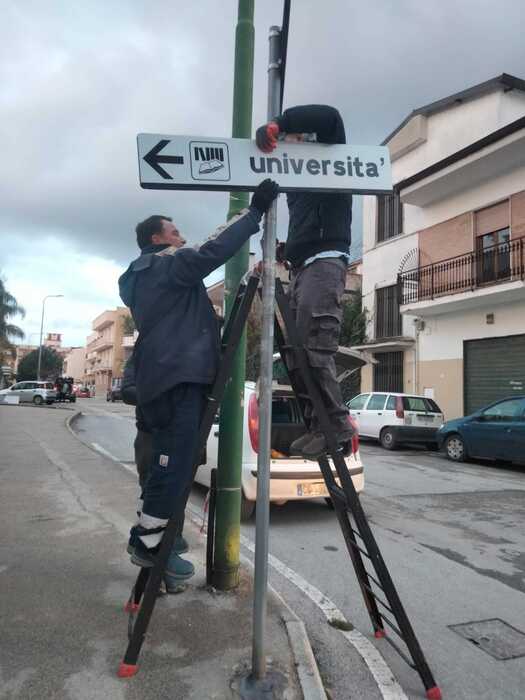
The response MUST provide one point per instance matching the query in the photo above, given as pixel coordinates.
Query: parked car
(82, 392)
(32, 392)
(494, 432)
(395, 418)
(291, 476)
(114, 393)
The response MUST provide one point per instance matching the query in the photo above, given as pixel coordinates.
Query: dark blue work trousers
(173, 419)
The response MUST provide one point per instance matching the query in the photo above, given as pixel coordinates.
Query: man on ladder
(317, 248)
(176, 355)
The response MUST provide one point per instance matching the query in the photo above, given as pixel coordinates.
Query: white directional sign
(198, 163)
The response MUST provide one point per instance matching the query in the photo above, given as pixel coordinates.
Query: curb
(303, 656)
(304, 660)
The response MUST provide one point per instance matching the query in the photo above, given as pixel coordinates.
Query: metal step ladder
(358, 536)
(147, 585)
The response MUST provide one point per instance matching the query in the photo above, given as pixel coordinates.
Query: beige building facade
(75, 364)
(104, 350)
(444, 256)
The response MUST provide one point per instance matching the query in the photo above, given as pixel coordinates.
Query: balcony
(493, 275)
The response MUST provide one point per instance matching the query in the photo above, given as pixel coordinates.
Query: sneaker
(178, 569)
(180, 546)
(145, 558)
(297, 445)
(317, 446)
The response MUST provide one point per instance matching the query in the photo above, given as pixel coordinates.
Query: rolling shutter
(494, 368)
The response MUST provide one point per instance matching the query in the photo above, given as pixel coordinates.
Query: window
(388, 373)
(511, 410)
(494, 255)
(377, 402)
(389, 322)
(359, 401)
(391, 403)
(389, 217)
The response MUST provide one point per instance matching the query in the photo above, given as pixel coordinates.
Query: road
(452, 535)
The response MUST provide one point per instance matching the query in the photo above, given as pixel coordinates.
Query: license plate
(318, 489)
(426, 419)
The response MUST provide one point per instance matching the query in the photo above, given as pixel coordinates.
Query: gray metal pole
(265, 389)
(40, 345)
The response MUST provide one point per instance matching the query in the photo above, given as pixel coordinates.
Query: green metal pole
(228, 513)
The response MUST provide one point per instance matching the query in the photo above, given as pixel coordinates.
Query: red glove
(266, 136)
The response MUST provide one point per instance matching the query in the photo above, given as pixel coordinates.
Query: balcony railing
(504, 262)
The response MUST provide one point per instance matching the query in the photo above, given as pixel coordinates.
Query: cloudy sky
(80, 80)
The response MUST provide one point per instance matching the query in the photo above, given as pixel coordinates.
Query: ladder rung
(377, 597)
(361, 550)
(394, 627)
(375, 581)
(401, 653)
(356, 532)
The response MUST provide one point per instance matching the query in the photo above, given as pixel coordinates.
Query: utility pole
(228, 508)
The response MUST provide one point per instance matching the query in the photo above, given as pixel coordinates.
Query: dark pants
(315, 295)
(173, 419)
(144, 459)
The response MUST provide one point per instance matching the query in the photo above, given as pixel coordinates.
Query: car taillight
(253, 422)
(355, 436)
(400, 411)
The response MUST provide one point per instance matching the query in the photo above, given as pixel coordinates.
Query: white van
(291, 477)
(393, 418)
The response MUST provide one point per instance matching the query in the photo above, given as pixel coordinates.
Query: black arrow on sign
(153, 159)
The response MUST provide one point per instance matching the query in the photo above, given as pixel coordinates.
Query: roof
(504, 81)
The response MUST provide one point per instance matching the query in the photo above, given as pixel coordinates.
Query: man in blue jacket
(317, 249)
(177, 354)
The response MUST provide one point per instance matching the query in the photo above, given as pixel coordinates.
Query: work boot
(317, 446)
(297, 445)
(177, 571)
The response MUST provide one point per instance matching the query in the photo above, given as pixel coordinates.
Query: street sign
(199, 163)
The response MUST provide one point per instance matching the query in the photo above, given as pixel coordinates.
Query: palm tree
(9, 307)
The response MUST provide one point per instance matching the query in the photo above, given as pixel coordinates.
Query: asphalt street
(452, 535)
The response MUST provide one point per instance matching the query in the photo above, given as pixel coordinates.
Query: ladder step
(338, 493)
(378, 598)
(363, 552)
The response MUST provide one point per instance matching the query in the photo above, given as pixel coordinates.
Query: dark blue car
(494, 432)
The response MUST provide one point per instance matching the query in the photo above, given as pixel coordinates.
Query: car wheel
(38, 400)
(247, 508)
(455, 448)
(388, 439)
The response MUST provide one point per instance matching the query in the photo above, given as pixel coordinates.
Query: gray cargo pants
(315, 296)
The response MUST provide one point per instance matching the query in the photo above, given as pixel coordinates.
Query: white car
(393, 418)
(32, 392)
(292, 478)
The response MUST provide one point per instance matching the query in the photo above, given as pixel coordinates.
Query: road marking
(104, 452)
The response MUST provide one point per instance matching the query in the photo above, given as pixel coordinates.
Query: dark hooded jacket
(318, 221)
(178, 330)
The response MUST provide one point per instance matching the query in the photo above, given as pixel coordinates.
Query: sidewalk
(65, 577)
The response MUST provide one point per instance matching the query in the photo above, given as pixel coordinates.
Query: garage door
(494, 368)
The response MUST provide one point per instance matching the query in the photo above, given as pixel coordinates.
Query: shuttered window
(389, 322)
(389, 217)
(388, 372)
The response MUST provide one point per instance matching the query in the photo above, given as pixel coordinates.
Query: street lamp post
(48, 296)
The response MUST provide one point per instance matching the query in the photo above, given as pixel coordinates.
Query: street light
(48, 296)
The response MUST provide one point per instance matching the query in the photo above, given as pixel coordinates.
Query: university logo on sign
(209, 161)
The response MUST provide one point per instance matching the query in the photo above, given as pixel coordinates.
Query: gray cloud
(79, 81)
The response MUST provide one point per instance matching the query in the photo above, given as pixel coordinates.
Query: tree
(353, 332)
(128, 325)
(50, 368)
(9, 307)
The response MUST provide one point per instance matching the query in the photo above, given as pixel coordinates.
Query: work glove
(264, 195)
(266, 136)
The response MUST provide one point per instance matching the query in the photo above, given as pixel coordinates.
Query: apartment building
(104, 349)
(75, 364)
(444, 256)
